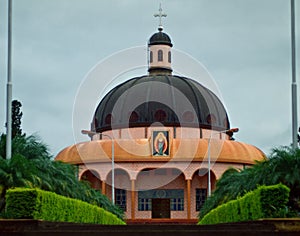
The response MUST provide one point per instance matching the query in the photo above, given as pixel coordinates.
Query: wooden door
(161, 208)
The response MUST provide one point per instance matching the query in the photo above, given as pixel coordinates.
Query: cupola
(160, 55)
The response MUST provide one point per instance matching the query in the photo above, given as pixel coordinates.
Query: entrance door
(160, 208)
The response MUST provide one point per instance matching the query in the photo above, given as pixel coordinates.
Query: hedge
(264, 202)
(24, 203)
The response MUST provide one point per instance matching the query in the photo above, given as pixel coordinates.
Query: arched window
(95, 122)
(108, 119)
(151, 56)
(160, 55)
(160, 115)
(169, 57)
(134, 117)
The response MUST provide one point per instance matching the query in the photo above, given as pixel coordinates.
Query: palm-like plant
(31, 165)
(285, 168)
(282, 167)
(16, 172)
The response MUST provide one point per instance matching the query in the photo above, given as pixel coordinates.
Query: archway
(93, 178)
(168, 200)
(199, 188)
(122, 186)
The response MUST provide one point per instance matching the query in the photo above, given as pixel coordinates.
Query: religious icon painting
(160, 143)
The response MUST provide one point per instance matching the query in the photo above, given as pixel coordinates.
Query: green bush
(264, 202)
(22, 203)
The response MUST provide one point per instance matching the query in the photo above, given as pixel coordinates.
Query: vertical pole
(294, 83)
(208, 174)
(112, 171)
(234, 130)
(9, 85)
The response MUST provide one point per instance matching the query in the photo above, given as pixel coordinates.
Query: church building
(159, 142)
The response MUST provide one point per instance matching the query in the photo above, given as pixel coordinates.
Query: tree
(16, 115)
(16, 172)
(32, 165)
(282, 167)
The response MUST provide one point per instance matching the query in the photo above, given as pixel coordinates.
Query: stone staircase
(44, 228)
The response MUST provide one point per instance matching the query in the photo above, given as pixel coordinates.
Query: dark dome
(160, 99)
(160, 38)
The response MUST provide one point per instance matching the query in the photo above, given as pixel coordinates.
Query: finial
(160, 15)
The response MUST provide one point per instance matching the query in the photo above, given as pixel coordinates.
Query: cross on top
(160, 15)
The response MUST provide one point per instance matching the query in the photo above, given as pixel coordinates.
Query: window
(145, 204)
(95, 122)
(121, 198)
(176, 197)
(169, 57)
(200, 198)
(145, 200)
(134, 117)
(151, 56)
(160, 55)
(225, 123)
(211, 119)
(160, 115)
(108, 119)
(177, 204)
(188, 116)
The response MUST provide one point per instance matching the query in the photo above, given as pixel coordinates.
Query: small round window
(188, 116)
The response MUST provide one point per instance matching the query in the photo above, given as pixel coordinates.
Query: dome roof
(160, 38)
(155, 100)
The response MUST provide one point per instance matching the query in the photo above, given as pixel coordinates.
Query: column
(132, 199)
(103, 187)
(188, 189)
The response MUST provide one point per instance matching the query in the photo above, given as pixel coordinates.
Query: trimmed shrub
(264, 202)
(23, 203)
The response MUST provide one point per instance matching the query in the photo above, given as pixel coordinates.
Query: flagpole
(294, 82)
(9, 84)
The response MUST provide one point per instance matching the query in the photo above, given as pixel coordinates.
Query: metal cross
(160, 15)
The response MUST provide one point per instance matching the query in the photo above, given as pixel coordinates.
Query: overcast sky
(244, 44)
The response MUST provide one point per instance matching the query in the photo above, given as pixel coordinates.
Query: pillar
(132, 199)
(188, 187)
(103, 187)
